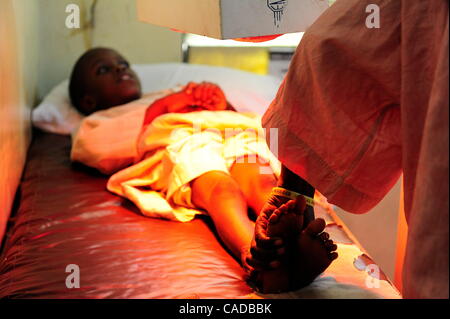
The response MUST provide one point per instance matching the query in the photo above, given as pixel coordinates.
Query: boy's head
(102, 78)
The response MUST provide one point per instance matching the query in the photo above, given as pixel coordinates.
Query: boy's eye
(125, 64)
(102, 70)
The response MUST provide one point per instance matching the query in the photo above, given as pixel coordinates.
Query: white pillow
(56, 114)
(244, 90)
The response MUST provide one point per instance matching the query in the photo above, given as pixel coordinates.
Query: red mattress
(66, 216)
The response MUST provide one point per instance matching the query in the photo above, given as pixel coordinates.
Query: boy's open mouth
(125, 77)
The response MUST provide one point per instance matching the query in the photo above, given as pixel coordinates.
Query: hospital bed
(64, 216)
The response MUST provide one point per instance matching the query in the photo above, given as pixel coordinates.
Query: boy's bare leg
(255, 186)
(220, 195)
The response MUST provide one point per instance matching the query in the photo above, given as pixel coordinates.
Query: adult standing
(360, 105)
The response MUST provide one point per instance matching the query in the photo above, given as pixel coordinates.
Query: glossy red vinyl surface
(66, 217)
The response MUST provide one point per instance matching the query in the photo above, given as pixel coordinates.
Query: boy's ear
(88, 104)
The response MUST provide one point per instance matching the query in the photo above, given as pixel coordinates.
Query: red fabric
(66, 216)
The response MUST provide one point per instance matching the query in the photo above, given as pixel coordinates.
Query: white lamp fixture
(230, 19)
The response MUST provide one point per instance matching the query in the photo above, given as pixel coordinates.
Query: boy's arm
(159, 107)
(172, 103)
(106, 140)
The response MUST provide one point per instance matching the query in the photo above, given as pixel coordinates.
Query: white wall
(377, 230)
(116, 26)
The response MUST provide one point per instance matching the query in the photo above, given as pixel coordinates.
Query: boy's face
(108, 81)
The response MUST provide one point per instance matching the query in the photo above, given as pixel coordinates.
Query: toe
(331, 247)
(324, 236)
(284, 208)
(328, 242)
(333, 256)
(291, 205)
(275, 216)
(296, 207)
(315, 227)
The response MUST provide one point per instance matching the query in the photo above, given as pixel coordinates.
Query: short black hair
(77, 89)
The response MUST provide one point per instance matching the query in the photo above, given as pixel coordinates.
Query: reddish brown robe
(360, 106)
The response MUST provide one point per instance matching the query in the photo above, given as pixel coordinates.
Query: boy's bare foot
(285, 222)
(315, 252)
(309, 251)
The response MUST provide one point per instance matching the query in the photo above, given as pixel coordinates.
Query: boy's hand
(194, 97)
(207, 95)
(179, 102)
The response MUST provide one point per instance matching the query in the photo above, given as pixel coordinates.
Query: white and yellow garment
(168, 154)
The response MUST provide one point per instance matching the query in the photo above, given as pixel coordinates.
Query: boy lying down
(179, 154)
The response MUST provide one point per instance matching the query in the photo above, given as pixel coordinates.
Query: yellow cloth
(168, 154)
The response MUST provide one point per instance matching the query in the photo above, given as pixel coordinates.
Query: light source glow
(286, 40)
